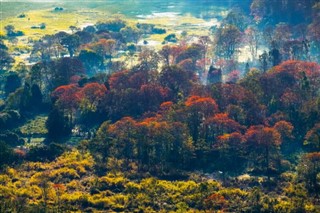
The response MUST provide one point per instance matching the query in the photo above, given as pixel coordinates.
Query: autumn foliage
(105, 122)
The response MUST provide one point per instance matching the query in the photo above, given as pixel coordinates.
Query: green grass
(35, 126)
(34, 142)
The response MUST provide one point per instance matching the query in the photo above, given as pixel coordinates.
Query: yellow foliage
(310, 207)
(4, 179)
(6, 191)
(17, 184)
(288, 176)
(115, 193)
(64, 172)
(12, 172)
(113, 180)
(74, 185)
(36, 178)
(166, 186)
(187, 187)
(72, 197)
(132, 187)
(230, 193)
(77, 161)
(35, 166)
(100, 202)
(119, 199)
(35, 191)
(283, 206)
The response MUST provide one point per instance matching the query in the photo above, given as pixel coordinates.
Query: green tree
(227, 40)
(71, 42)
(6, 154)
(130, 34)
(6, 60)
(13, 82)
(10, 30)
(58, 125)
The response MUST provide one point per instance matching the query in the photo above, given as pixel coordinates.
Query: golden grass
(61, 21)
(55, 21)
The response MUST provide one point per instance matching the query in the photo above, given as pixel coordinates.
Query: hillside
(160, 106)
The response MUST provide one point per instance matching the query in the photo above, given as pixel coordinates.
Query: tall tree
(71, 42)
(13, 82)
(264, 142)
(58, 125)
(252, 37)
(309, 170)
(67, 99)
(198, 110)
(227, 39)
(6, 60)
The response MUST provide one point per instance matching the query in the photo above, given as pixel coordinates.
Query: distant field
(54, 22)
(58, 21)
(11, 9)
(129, 8)
(194, 17)
(174, 15)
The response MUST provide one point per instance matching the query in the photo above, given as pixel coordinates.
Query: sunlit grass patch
(35, 126)
(54, 21)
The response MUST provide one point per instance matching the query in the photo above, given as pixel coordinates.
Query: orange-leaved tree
(198, 110)
(262, 144)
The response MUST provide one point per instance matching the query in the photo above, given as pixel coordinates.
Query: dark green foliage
(36, 96)
(91, 60)
(113, 25)
(9, 119)
(6, 154)
(11, 138)
(85, 37)
(90, 29)
(6, 60)
(309, 170)
(45, 152)
(64, 69)
(2, 45)
(71, 42)
(275, 57)
(57, 9)
(11, 31)
(58, 125)
(171, 38)
(159, 31)
(263, 59)
(25, 98)
(131, 48)
(13, 82)
(214, 75)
